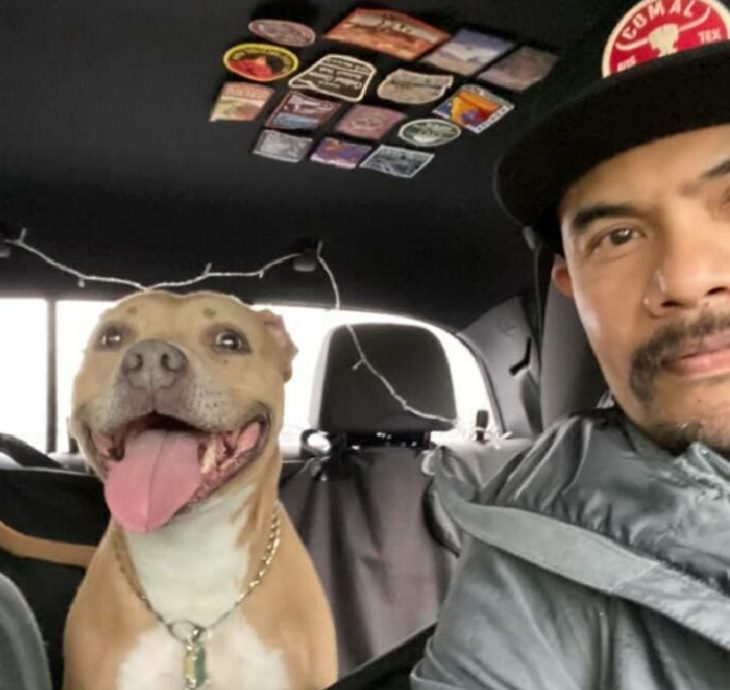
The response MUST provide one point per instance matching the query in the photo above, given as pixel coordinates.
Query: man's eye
(231, 340)
(621, 236)
(111, 338)
(617, 237)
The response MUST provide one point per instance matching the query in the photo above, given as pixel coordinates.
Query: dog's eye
(111, 338)
(230, 340)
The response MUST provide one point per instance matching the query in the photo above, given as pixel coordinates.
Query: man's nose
(691, 269)
(153, 364)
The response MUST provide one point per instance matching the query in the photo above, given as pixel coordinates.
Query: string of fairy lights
(208, 273)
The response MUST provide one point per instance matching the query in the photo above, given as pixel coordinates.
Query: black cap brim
(674, 94)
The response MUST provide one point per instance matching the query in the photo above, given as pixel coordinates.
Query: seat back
(361, 509)
(348, 398)
(570, 378)
(363, 518)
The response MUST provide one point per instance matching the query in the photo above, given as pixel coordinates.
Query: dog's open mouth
(157, 465)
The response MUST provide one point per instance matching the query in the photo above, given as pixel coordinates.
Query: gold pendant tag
(195, 668)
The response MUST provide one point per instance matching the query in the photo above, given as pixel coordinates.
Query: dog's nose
(153, 364)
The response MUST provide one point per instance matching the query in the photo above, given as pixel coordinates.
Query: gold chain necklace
(192, 635)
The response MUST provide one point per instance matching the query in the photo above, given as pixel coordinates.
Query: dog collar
(190, 634)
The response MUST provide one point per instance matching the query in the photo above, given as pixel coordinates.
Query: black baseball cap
(653, 69)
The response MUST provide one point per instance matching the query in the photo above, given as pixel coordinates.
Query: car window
(23, 365)
(24, 369)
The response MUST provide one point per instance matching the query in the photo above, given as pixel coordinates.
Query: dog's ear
(277, 330)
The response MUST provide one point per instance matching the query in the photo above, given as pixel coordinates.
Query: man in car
(600, 557)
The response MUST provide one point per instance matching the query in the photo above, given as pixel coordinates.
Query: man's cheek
(590, 316)
(599, 315)
(613, 341)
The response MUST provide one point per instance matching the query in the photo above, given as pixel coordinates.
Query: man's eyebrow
(583, 219)
(718, 171)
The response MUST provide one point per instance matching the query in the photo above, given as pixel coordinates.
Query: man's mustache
(668, 342)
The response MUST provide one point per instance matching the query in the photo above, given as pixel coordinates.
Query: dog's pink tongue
(158, 475)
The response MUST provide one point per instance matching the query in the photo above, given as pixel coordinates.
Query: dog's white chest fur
(237, 660)
(192, 570)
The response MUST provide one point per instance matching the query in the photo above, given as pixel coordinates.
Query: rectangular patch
(339, 153)
(300, 111)
(337, 76)
(520, 70)
(282, 147)
(468, 51)
(474, 108)
(387, 31)
(240, 102)
(397, 161)
(369, 121)
(413, 88)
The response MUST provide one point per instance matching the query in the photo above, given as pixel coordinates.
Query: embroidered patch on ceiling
(369, 121)
(468, 51)
(340, 154)
(520, 70)
(291, 34)
(240, 101)
(282, 147)
(429, 133)
(387, 31)
(656, 28)
(407, 87)
(474, 108)
(398, 162)
(338, 76)
(300, 111)
(260, 61)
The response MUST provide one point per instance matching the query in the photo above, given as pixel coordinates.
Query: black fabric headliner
(107, 155)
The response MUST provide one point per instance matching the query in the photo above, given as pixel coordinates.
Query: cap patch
(653, 29)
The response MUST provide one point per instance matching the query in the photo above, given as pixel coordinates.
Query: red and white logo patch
(655, 28)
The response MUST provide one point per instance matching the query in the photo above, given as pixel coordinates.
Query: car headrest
(350, 399)
(570, 378)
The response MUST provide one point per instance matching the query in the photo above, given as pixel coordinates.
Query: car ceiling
(107, 156)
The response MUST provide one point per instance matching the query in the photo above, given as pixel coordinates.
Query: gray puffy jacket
(594, 561)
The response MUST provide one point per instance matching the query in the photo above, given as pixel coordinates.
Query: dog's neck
(195, 567)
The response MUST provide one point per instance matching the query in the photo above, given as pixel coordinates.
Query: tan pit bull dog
(200, 579)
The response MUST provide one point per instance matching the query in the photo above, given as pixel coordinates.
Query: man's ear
(561, 277)
(284, 344)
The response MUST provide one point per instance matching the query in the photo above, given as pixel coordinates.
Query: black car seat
(361, 507)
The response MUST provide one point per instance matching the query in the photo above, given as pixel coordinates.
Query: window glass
(75, 321)
(24, 369)
(308, 327)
